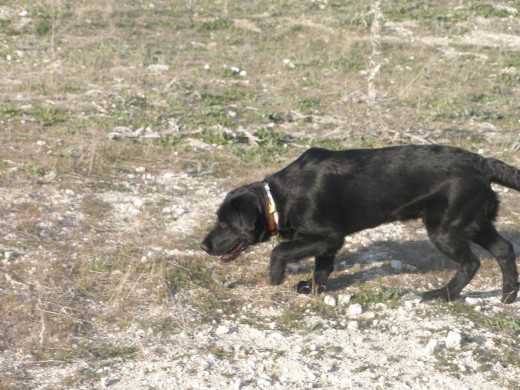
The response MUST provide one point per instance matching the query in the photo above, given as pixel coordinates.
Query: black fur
(325, 195)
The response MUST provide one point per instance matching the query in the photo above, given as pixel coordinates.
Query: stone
(432, 347)
(355, 309)
(453, 340)
(344, 299)
(222, 329)
(330, 300)
(396, 265)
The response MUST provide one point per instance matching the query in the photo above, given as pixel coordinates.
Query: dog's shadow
(382, 258)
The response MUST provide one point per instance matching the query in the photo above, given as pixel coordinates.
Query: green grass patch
(388, 295)
(50, 115)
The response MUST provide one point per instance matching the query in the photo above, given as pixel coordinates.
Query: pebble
(355, 309)
(278, 336)
(106, 382)
(396, 264)
(330, 300)
(222, 329)
(158, 68)
(432, 347)
(472, 301)
(353, 325)
(344, 299)
(453, 340)
(138, 202)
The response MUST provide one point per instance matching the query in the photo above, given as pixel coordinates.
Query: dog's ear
(247, 206)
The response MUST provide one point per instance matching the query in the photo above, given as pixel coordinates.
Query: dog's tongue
(233, 252)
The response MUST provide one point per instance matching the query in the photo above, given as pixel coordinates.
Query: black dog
(325, 195)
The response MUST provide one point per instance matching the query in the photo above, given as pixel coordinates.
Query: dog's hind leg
(453, 243)
(489, 239)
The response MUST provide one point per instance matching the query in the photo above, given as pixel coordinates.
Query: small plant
(49, 115)
(292, 317)
(110, 352)
(382, 294)
(215, 25)
(9, 110)
(309, 106)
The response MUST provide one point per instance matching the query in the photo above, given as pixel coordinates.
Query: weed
(292, 317)
(388, 295)
(186, 275)
(218, 136)
(309, 106)
(215, 25)
(43, 25)
(49, 115)
(110, 352)
(9, 110)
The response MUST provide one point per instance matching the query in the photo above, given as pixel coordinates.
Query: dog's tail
(504, 174)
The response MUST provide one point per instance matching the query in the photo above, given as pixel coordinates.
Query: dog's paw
(509, 296)
(276, 274)
(441, 293)
(308, 287)
(303, 287)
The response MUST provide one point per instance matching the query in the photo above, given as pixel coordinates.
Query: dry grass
(73, 71)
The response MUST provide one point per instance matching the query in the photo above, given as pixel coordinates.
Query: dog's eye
(223, 224)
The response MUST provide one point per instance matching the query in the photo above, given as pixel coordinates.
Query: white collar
(271, 211)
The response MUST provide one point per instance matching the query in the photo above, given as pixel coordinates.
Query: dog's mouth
(234, 252)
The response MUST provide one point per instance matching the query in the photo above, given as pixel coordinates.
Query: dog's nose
(204, 246)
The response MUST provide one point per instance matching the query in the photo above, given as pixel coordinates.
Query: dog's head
(241, 221)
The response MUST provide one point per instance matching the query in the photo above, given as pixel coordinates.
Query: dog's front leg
(324, 250)
(316, 285)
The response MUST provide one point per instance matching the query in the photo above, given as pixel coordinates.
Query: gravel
(334, 343)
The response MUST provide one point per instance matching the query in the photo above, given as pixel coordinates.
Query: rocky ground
(123, 124)
(368, 331)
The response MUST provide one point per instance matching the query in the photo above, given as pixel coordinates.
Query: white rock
(330, 300)
(278, 336)
(222, 329)
(353, 325)
(432, 347)
(140, 169)
(238, 384)
(472, 301)
(344, 299)
(489, 344)
(355, 309)
(106, 382)
(410, 304)
(158, 68)
(138, 202)
(453, 340)
(396, 264)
